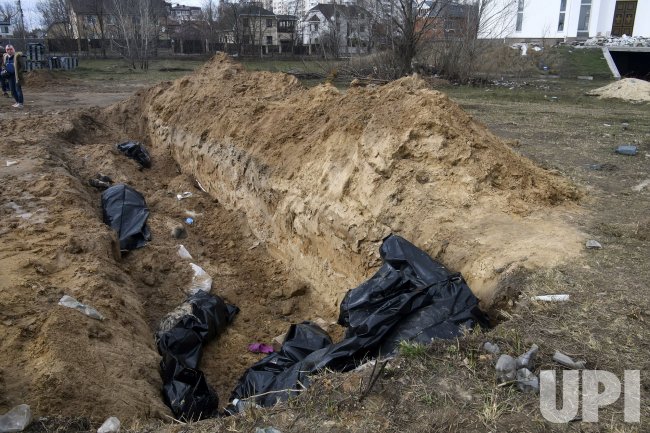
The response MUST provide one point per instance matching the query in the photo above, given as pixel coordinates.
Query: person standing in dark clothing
(14, 66)
(3, 77)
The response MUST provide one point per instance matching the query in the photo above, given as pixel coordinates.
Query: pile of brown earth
(302, 185)
(43, 79)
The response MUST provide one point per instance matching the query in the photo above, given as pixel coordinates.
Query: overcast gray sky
(33, 19)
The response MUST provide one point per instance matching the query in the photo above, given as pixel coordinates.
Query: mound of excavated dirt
(628, 89)
(40, 79)
(302, 185)
(323, 175)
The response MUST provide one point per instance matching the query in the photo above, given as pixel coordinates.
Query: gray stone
(527, 381)
(566, 361)
(527, 360)
(491, 348)
(593, 245)
(506, 369)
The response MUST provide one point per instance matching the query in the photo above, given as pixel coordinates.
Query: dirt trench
(301, 184)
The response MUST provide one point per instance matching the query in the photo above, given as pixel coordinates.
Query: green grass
(282, 65)
(574, 62)
(412, 350)
(119, 70)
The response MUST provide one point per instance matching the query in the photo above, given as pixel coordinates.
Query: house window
(269, 23)
(269, 40)
(560, 23)
(362, 28)
(5, 29)
(245, 23)
(585, 14)
(338, 27)
(520, 15)
(247, 39)
(314, 27)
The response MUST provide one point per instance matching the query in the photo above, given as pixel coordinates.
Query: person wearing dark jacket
(3, 77)
(14, 65)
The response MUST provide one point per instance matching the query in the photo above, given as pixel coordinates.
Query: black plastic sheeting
(180, 340)
(136, 150)
(411, 297)
(126, 212)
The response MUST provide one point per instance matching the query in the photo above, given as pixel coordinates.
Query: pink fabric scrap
(260, 348)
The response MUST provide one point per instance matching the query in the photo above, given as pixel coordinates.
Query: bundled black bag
(126, 212)
(136, 150)
(411, 297)
(281, 371)
(180, 339)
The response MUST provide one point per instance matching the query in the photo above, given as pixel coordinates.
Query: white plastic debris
(70, 302)
(551, 298)
(200, 186)
(183, 253)
(11, 162)
(111, 425)
(184, 195)
(643, 185)
(201, 281)
(593, 245)
(17, 419)
(566, 360)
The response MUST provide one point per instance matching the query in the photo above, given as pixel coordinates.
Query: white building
(341, 29)
(564, 19)
(6, 29)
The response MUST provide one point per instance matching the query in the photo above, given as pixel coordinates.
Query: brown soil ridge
(323, 175)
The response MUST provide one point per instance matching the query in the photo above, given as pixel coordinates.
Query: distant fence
(36, 59)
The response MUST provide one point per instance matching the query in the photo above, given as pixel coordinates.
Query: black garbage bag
(411, 297)
(126, 212)
(136, 150)
(180, 339)
(281, 371)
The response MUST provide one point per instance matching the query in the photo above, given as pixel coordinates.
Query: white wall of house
(6, 29)
(541, 19)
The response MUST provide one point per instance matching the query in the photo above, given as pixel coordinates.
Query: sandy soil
(627, 89)
(302, 185)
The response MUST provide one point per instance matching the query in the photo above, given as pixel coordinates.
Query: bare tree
(413, 22)
(210, 16)
(8, 11)
(229, 24)
(138, 28)
(468, 44)
(101, 11)
(55, 18)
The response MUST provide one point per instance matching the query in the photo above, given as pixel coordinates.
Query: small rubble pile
(615, 41)
(519, 370)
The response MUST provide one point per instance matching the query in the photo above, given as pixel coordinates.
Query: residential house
(568, 19)
(6, 29)
(257, 27)
(341, 30)
(447, 19)
(288, 36)
(181, 12)
(90, 18)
